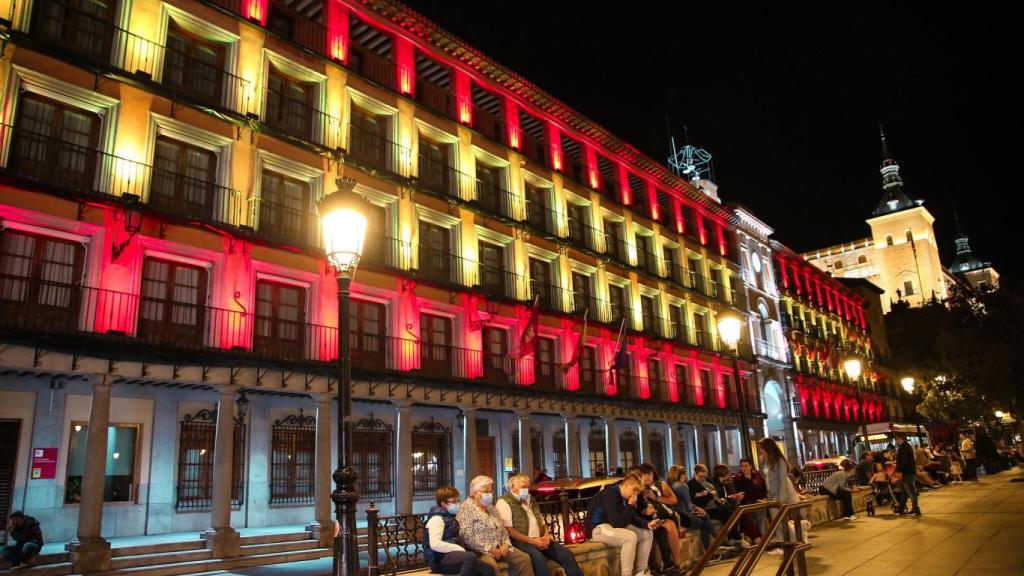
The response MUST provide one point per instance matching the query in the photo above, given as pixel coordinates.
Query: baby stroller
(881, 493)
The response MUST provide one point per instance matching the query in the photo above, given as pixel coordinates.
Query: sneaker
(851, 517)
(644, 572)
(775, 552)
(916, 512)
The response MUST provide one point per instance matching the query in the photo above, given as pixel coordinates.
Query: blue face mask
(487, 498)
(524, 494)
(453, 508)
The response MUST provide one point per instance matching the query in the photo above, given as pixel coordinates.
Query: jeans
(20, 553)
(634, 545)
(702, 523)
(461, 563)
(555, 551)
(909, 490)
(845, 498)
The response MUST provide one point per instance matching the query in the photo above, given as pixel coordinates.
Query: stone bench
(824, 509)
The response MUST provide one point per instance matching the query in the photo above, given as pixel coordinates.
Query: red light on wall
(336, 19)
(514, 139)
(627, 193)
(678, 209)
(652, 197)
(256, 10)
(702, 231)
(593, 175)
(405, 58)
(723, 248)
(555, 146)
(515, 135)
(463, 97)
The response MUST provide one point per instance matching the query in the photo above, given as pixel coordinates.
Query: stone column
(525, 452)
(572, 437)
(221, 537)
(645, 441)
(723, 442)
(323, 507)
(403, 459)
(584, 447)
(470, 465)
(678, 458)
(89, 551)
(611, 436)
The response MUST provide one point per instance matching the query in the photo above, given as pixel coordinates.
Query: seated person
(442, 548)
(705, 495)
(522, 518)
(751, 484)
(612, 519)
(483, 532)
(837, 487)
(693, 517)
(660, 499)
(27, 539)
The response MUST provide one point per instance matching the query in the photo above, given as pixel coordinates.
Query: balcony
(296, 27)
(375, 152)
(439, 179)
(547, 376)
(488, 124)
(442, 268)
(435, 98)
(583, 236)
(550, 298)
(706, 341)
(541, 218)
(296, 119)
(194, 199)
(498, 282)
(648, 262)
(493, 198)
(286, 224)
(373, 66)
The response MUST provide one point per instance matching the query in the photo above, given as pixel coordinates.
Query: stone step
(152, 559)
(181, 546)
(49, 569)
(273, 548)
(215, 565)
(276, 538)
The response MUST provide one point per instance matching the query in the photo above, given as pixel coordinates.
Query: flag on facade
(621, 357)
(476, 323)
(528, 339)
(578, 350)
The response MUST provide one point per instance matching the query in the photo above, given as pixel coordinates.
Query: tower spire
(885, 144)
(893, 197)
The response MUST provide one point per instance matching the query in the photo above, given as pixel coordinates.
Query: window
(497, 362)
(55, 143)
(184, 179)
(435, 252)
(490, 192)
(581, 292)
(888, 240)
(558, 456)
(431, 458)
(680, 329)
(658, 457)
(645, 254)
(368, 330)
(613, 240)
(492, 269)
(367, 143)
(579, 228)
(289, 105)
(537, 207)
(671, 256)
(596, 450)
(618, 303)
(545, 365)
(121, 476)
(910, 235)
(862, 259)
(541, 286)
(700, 329)
(654, 382)
(629, 450)
(730, 393)
(280, 320)
(373, 443)
(838, 264)
(434, 169)
(707, 387)
(172, 303)
(81, 27)
(285, 209)
(588, 370)
(196, 444)
(648, 311)
(695, 269)
(623, 378)
(908, 288)
(194, 66)
(684, 386)
(435, 345)
(293, 460)
(378, 244)
(39, 281)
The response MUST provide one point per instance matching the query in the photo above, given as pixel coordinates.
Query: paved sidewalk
(973, 528)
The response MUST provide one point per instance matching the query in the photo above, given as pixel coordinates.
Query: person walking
(906, 466)
(970, 456)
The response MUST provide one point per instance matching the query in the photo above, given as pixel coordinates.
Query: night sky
(789, 101)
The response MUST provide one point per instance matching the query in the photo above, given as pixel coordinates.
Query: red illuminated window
(172, 303)
(280, 320)
(39, 281)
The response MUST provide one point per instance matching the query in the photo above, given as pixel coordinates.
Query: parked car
(575, 487)
(823, 464)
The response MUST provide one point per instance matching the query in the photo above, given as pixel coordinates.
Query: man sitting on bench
(521, 516)
(442, 548)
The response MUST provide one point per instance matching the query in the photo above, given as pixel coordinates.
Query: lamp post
(343, 218)
(730, 323)
(852, 366)
(908, 385)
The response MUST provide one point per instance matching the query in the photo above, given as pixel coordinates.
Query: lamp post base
(345, 498)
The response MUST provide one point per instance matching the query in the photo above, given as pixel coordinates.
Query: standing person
(837, 487)
(482, 531)
(776, 478)
(865, 468)
(970, 456)
(907, 467)
(27, 536)
(693, 517)
(612, 519)
(442, 548)
(522, 518)
(751, 484)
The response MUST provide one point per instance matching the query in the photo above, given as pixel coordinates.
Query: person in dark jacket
(706, 496)
(865, 468)
(442, 548)
(27, 536)
(906, 465)
(612, 519)
(751, 484)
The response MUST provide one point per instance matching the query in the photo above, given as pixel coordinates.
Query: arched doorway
(775, 406)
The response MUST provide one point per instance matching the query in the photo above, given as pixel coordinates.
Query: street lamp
(908, 384)
(1000, 414)
(853, 368)
(729, 325)
(343, 219)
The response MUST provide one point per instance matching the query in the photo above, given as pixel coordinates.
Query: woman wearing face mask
(522, 518)
(484, 533)
(442, 548)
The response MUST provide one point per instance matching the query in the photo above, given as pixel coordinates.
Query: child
(955, 470)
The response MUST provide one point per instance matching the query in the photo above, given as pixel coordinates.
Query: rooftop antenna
(689, 161)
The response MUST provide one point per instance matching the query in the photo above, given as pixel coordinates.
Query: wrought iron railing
(285, 224)
(301, 120)
(376, 152)
(495, 199)
(440, 179)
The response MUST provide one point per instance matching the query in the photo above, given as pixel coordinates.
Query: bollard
(371, 540)
(563, 504)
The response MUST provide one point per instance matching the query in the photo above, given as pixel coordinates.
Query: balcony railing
(301, 30)
(501, 283)
(194, 199)
(488, 124)
(495, 199)
(541, 218)
(583, 235)
(440, 179)
(443, 268)
(648, 262)
(297, 119)
(551, 298)
(372, 66)
(533, 148)
(285, 224)
(436, 98)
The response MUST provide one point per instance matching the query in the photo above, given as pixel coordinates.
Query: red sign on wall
(44, 463)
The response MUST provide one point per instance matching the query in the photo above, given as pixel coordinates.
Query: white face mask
(487, 498)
